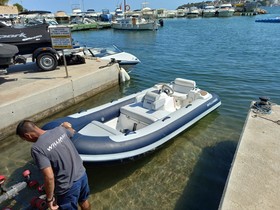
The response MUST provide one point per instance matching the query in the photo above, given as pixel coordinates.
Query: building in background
(8, 11)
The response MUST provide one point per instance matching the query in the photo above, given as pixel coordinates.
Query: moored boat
(225, 10)
(62, 18)
(125, 59)
(139, 123)
(192, 13)
(209, 11)
(27, 38)
(269, 20)
(134, 21)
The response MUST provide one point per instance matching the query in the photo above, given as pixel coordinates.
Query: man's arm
(49, 187)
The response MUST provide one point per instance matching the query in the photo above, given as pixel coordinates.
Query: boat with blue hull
(269, 20)
(139, 123)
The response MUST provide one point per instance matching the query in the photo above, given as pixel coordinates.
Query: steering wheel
(167, 89)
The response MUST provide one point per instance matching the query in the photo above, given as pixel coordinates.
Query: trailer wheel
(46, 61)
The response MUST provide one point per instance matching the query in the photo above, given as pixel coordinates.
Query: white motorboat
(209, 11)
(225, 10)
(118, 13)
(180, 13)
(193, 12)
(125, 60)
(134, 21)
(139, 123)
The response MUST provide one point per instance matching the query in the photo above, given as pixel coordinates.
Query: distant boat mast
(82, 3)
(124, 5)
(144, 4)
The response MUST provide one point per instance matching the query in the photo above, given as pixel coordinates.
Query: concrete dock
(253, 181)
(28, 93)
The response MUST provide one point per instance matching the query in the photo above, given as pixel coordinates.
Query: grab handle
(165, 118)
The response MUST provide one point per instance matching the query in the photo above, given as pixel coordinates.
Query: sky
(97, 5)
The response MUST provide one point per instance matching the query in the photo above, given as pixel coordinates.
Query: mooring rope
(274, 121)
(262, 108)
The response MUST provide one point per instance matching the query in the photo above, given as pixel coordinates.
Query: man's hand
(52, 204)
(66, 125)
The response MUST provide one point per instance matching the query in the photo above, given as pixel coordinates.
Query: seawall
(28, 93)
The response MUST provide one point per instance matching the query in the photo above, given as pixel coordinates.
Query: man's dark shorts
(78, 193)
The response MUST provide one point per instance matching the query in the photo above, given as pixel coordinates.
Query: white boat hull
(126, 60)
(140, 26)
(209, 13)
(225, 10)
(225, 13)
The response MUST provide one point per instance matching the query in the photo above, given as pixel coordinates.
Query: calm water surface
(236, 58)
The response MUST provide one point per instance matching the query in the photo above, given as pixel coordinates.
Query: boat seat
(152, 101)
(141, 114)
(96, 128)
(182, 87)
(147, 112)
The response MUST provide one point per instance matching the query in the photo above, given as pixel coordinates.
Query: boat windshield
(104, 51)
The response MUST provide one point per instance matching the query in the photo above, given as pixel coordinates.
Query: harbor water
(235, 57)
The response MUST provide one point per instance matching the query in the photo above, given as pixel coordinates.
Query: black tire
(46, 61)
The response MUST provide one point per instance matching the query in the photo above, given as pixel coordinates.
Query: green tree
(3, 2)
(20, 7)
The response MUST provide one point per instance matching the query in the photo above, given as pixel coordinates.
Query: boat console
(159, 103)
(151, 108)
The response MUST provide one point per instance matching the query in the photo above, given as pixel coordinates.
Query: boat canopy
(32, 12)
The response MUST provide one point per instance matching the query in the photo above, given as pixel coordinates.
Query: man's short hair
(25, 126)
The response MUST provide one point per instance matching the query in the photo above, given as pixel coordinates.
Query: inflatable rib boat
(138, 123)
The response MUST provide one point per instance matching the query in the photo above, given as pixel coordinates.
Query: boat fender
(123, 75)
